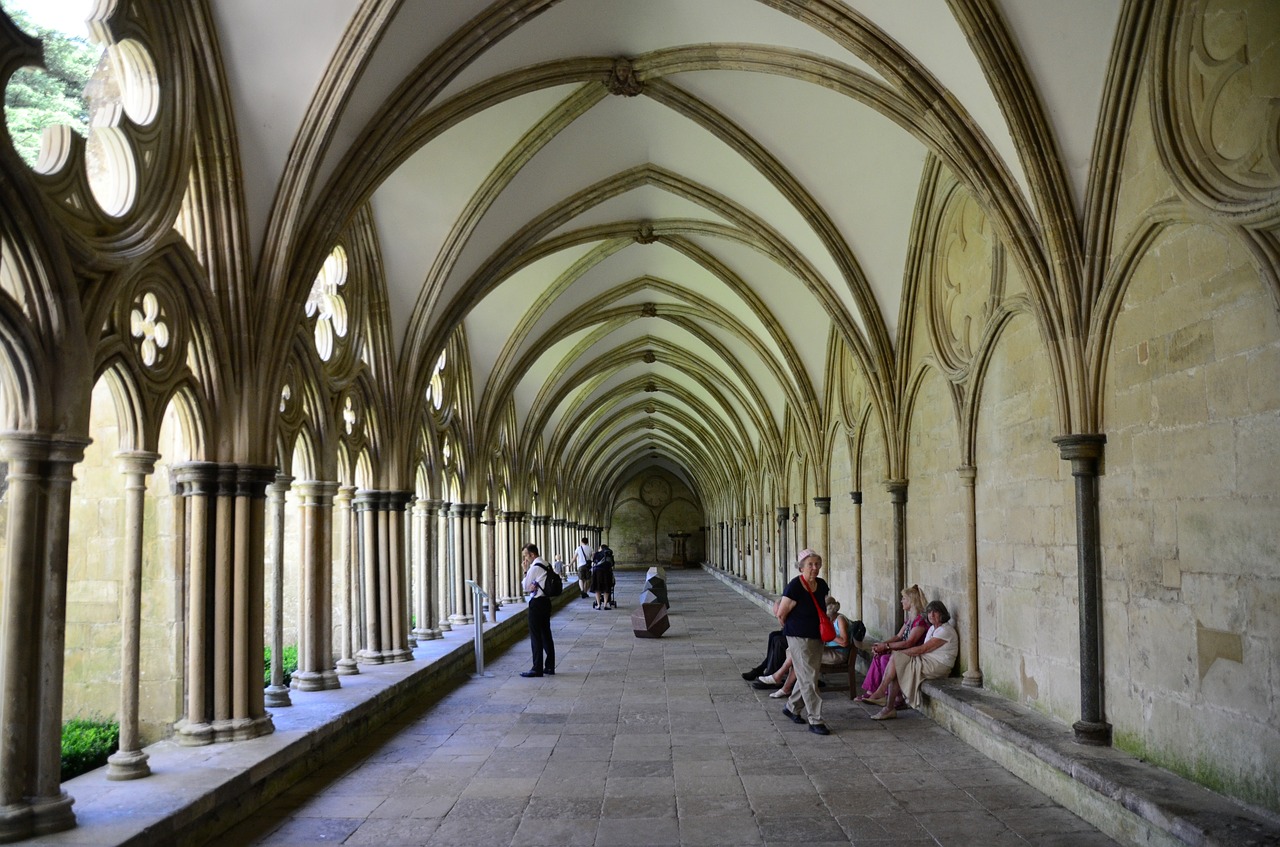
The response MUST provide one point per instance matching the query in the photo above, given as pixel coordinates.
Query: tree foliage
(35, 98)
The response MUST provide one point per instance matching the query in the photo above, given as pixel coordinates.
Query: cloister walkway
(655, 741)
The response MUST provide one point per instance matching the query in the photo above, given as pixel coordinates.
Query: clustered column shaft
(224, 507)
(33, 633)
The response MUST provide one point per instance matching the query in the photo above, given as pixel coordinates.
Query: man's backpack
(553, 585)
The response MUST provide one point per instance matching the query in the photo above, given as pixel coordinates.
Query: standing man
(583, 554)
(535, 580)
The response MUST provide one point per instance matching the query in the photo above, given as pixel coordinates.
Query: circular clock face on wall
(655, 491)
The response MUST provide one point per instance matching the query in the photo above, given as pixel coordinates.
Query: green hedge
(86, 744)
(290, 664)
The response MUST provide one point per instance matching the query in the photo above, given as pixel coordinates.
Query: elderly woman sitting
(932, 659)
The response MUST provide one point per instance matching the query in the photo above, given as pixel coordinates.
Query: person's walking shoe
(763, 686)
(819, 729)
(779, 694)
(885, 714)
(753, 673)
(794, 717)
(529, 674)
(550, 671)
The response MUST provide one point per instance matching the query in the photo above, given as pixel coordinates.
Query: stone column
(538, 530)
(395, 506)
(489, 541)
(444, 568)
(277, 694)
(823, 505)
(782, 559)
(386, 599)
(348, 578)
(129, 761)
(33, 634)
(558, 527)
(457, 566)
(424, 520)
(365, 506)
(898, 496)
(1084, 453)
(856, 497)
(226, 515)
(316, 670)
(968, 478)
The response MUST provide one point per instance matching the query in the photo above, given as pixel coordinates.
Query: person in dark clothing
(535, 580)
(602, 578)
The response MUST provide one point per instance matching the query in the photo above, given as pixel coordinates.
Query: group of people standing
(925, 648)
(595, 574)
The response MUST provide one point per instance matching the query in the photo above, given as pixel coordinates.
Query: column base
(243, 729)
(973, 679)
(347, 667)
(369, 657)
(52, 814)
(1092, 734)
(426, 634)
(277, 696)
(315, 680)
(15, 822)
(193, 734)
(400, 656)
(445, 626)
(130, 765)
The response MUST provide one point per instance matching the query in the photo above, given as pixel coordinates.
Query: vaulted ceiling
(649, 216)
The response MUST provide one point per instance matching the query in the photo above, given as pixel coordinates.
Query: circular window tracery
(90, 87)
(326, 303)
(147, 324)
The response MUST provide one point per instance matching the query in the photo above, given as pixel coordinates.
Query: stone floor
(657, 741)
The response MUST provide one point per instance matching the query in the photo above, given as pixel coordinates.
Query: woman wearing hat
(798, 610)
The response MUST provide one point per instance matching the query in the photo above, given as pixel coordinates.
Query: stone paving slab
(655, 741)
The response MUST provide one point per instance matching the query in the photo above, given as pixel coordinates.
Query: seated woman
(913, 629)
(835, 651)
(930, 660)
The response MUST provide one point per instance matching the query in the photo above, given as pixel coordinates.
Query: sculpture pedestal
(650, 620)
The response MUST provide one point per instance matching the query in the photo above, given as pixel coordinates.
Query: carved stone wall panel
(960, 289)
(1217, 99)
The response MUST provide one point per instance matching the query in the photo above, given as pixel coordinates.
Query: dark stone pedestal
(650, 620)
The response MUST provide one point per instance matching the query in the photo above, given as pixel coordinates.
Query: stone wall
(1191, 515)
(652, 504)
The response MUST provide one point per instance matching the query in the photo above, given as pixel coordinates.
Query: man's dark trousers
(540, 634)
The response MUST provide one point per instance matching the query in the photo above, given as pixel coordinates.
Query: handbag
(826, 629)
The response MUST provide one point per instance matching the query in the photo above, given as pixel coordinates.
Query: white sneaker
(779, 694)
(768, 680)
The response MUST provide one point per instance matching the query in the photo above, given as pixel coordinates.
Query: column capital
(1083, 450)
(897, 489)
(968, 474)
(316, 489)
(39, 447)
(856, 497)
(137, 461)
(823, 504)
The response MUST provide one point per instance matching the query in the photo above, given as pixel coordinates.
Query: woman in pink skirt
(911, 634)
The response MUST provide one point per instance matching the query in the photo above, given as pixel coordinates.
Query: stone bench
(1130, 800)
